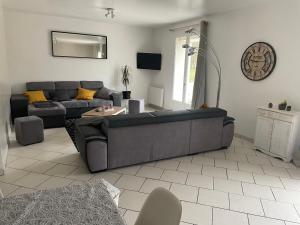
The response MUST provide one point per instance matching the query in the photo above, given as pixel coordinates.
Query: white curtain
(199, 92)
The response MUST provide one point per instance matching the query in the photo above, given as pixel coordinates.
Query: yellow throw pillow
(85, 94)
(35, 96)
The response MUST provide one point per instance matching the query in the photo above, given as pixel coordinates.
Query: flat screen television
(149, 61)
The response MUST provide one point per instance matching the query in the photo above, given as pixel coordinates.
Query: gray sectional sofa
(122, 140)
(64, 105)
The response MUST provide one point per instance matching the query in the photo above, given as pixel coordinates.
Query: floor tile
(258, 191)
(40, 166)
(110, 177)
(132, 200)
(61, 170)
(215, 154)
(258, 160)
(238, 157)
(130, 217)
(48, 156)
(213, 198)
(7, 188)
(226, 217)
(22, 163)
(279, 210)
(291, 184)
(289, 196)
(168, 164)
(200, 181)
(280, 163)
(150, 172)
(245, 204)
(201, 160)
(190, 167)
(214, 172)
(184, 192)
(275, 171)
(267, 180)
(149, 185)
(187, 159)
(248, 167)
(240, 176)
(227, 164)
(174, 176)
(229, 186)
(32, 180)
(130, 170)
(129, 182)
(295, 173)
(245, 150)
(196, 214)
(122, 211)
(81, 173)
(22, 190)
(11, 175)
(54, 182)
(291, 223)
(258, 220)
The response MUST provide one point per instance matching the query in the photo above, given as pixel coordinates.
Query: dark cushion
(92, 85)
(228, 120)
(71, 87)
(91, 131)
(104, 93)
(47, 87)
(128, 120)
(59, 109)
(96, 102)
(75, 103)
(61, 95)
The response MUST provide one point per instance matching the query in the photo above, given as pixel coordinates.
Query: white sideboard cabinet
(277, 132)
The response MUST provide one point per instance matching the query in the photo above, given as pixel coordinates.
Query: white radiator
(156, 96)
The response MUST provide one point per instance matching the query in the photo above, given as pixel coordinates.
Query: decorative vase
(282, 106)
(126, 94)
(288, 108)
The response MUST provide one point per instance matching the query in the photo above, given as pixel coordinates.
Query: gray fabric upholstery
(29, 130)
(104, 93)
(52, 111)
(47, 87)
(228, 133)
(92, 85)
(129, 120)
(97, 155)
(75, 103)
(70, 86)
(96, 102)
(206, 134)
(136, 106)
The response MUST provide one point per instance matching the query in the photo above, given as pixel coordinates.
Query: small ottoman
(136, 106)
(29, 130)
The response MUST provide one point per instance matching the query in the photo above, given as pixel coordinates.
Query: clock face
(258, 61)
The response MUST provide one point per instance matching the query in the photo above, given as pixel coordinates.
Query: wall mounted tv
(149, 61)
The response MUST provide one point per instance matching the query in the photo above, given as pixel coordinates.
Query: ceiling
(134, 12)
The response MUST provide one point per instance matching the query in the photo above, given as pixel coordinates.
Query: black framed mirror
(78, 45)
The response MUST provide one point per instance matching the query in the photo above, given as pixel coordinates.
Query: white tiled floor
(237, 186)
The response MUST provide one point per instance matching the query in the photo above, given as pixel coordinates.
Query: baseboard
(155, 107)
(244, 137)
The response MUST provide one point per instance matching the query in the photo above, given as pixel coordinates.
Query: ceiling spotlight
(110, 13)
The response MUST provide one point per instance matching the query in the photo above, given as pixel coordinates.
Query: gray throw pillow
(104, 93)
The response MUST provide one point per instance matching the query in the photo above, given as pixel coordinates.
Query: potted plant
(125, 81)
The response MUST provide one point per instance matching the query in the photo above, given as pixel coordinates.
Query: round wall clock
(258, 61)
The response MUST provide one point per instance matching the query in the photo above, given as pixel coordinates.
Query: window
(185, 69)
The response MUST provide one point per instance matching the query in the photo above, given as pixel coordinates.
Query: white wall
(231, 33)
(4, 96)
(29, 55)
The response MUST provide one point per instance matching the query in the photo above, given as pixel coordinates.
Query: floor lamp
(209, 53)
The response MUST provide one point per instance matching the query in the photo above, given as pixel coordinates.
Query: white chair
(160, 208)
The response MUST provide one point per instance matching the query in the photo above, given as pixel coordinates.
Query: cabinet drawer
(274, 115)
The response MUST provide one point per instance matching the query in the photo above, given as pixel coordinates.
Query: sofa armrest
(18, 106)
(116, 97)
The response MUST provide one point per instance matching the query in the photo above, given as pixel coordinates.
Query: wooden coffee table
(114, 111)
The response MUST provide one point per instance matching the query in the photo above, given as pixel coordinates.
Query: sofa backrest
(162, 117)
(48, 87)
(92, 85)
(70, 86)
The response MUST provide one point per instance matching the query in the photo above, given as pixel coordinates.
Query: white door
(263, 133)
(280, 137)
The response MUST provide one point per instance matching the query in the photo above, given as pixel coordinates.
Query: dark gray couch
(122, 140)
(63, 94)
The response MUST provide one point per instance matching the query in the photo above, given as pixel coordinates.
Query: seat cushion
(96, 102)
(59, 109)
(75, 103)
